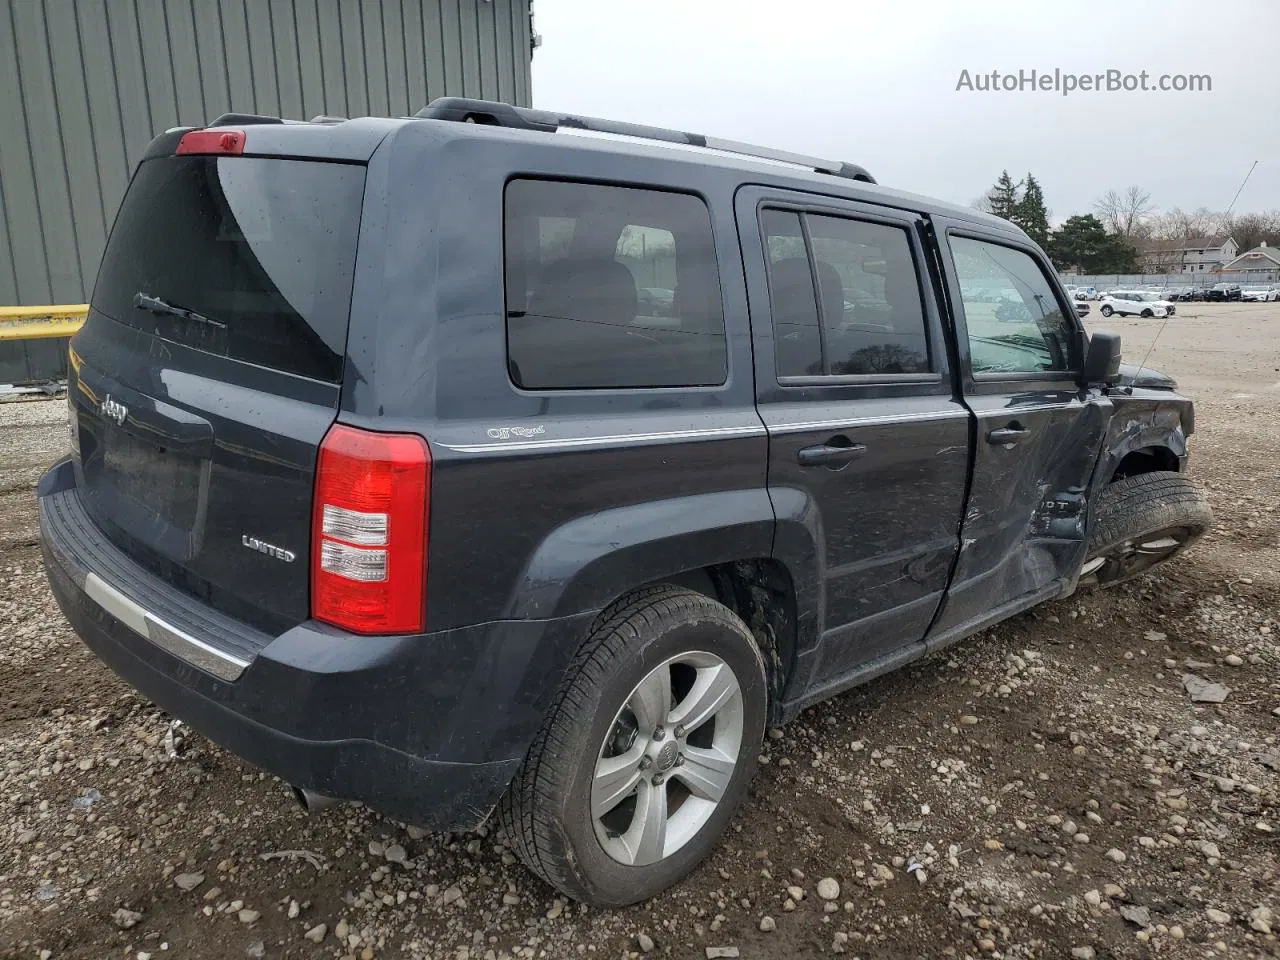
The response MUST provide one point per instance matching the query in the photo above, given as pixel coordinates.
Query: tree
(1002, 199)
(1083, 243)
(1178, 224)
(1251, 229)
(1031, 214)
(1127, 213)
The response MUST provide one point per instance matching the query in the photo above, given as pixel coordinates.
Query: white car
(1134, 303)
(1161, 297)
(1260, 294)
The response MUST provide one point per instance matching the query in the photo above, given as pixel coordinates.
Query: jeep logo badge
(270, 549)
(113, 410)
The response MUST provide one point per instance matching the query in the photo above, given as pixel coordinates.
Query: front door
(1038, 432)
(868, 445)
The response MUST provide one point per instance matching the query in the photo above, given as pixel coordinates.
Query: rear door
(209, 368)
(868, 446)
(1038, 432)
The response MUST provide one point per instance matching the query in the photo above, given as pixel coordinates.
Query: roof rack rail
(493, 113)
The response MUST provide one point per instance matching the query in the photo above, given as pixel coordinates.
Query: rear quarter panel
(544, 503)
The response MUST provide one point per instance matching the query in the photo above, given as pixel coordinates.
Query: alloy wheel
(667, 759)
(1133, 556)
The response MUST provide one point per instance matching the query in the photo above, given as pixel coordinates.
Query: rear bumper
(427, 728)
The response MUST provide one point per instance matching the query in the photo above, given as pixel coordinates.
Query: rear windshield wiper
(146, 302)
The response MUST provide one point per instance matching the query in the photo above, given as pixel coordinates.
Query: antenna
(1226, 218)
(1241, 190)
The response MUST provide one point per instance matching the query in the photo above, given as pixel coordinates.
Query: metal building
(85, 84)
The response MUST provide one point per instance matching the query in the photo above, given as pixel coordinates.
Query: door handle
(1010, 434)
(829, 454)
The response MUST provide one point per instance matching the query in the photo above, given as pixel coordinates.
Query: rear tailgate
(210, 368)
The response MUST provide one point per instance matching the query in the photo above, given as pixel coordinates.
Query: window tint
(872, 316)
(264, 249)
(610, 287)
(871, 308)
(1023, 329)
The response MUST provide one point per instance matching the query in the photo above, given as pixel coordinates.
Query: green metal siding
(85, 84)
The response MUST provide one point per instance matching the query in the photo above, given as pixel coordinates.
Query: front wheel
(647, 753)
(1106, 310)
(1142, 521)
(1147, 314)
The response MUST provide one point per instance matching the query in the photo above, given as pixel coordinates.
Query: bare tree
(982, 203)
(1125, 214)
(1178, 224)
(1250, 229)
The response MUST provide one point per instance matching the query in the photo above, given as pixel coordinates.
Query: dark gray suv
(495, 459)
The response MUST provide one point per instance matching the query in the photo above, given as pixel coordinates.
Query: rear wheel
(1106, 310)
(1142, 521)
(647, 753)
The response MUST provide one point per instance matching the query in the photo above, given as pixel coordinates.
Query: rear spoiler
(351, 141)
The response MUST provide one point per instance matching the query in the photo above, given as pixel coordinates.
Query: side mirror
(1102, 359)
(1082, 309)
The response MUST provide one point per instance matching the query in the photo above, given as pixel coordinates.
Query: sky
(875, 83)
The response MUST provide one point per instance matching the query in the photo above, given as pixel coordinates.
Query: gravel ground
(1046, 789)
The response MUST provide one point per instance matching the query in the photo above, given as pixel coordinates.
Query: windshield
(249, 258)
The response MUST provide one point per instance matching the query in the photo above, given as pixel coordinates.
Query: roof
(358, 138)
(751, 169)
(1271, 253)
(1185, 243)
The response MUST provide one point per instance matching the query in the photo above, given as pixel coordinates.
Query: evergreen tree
(1083, 243)
(1031, 214)
(1002, 199)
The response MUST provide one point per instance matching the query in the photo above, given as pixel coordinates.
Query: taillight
(369, 531)
(214, 140)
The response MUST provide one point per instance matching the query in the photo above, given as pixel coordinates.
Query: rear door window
(245, 257)
(610, 287)
(845, 296)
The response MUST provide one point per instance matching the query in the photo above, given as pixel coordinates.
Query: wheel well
(1146, 460)
(762, 593)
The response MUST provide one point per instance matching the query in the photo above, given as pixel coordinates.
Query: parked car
(1136, 303)
(1162, 298)
(1260, 294)
(656, 301)
(1223, 291)
(445, 522)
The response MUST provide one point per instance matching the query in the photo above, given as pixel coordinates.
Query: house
(1188, 255)
(1260, 263)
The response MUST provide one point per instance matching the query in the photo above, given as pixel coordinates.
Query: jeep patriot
(497, 460)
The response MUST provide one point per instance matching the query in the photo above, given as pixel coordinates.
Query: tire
(1105, 310)
(1142, 521)
(1147, 314)
(549, 813)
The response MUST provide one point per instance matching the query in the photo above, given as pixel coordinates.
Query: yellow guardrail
(39, 323)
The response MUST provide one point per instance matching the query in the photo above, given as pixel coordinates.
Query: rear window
(248, 258)
(610, 287)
